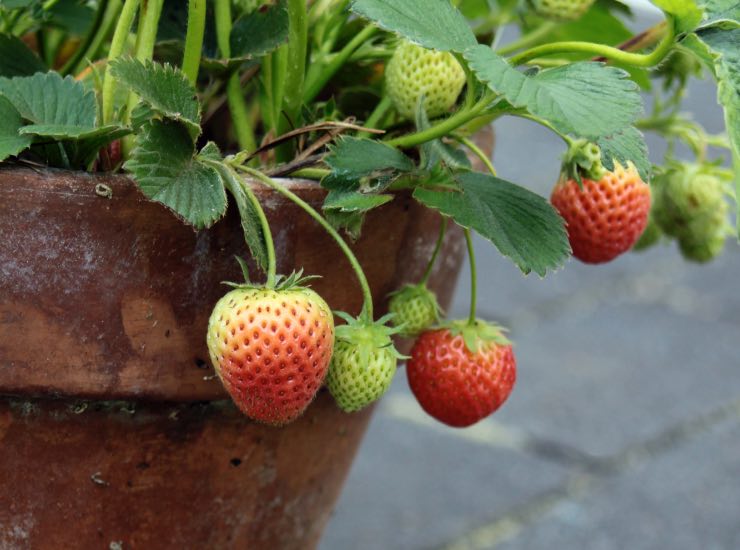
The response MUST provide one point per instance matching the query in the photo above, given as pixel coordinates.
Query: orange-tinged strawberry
(271, 349)
(606, 217)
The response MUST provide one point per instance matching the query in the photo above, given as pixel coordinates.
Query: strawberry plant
(203, 101)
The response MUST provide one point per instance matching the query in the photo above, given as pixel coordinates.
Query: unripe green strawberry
(689, 202)
(414, 309)
(413, 72)
(650, 237)
(561, 10)
(702, 250)
(271, 349)
(363, 365)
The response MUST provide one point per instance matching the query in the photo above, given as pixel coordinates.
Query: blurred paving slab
(685, 498)
(415, 483)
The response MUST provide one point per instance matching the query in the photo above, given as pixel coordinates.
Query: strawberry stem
(367, 306)
(473, 278)
(194, 39)
(602, 50)
(437, 248)
(233, 179)
(478, 152)
(123, 28)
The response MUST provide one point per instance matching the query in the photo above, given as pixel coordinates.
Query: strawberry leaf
(626, 146)
(11, 142)
(248, 206)
(17, 59)
(49, 99)
(686, 13)
(585, 99)
(434, 24)
(260, 32)
(522, 225)
(167, 171)
(356, 157)
(164, 88)
(721, 10)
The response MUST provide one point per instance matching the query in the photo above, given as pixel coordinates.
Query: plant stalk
(367, 306)
(473, 278)
(120, 36)
(194, 39)
(316, 81)
(602, 50)
(437, 248)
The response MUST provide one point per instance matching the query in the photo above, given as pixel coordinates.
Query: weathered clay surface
(168, 476)
(109, 298)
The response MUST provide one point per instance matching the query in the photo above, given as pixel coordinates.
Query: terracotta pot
(105, 299)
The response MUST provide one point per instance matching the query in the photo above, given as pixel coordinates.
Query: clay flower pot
(114, 430)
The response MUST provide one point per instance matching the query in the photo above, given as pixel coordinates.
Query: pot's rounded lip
(299, 184)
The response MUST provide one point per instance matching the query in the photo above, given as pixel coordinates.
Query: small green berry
(413, 72)
(414, 310)
(561, 10)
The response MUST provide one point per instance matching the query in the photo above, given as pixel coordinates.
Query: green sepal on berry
(561, 10)
(414, 308)
(474, 334)
(363, 364)
(582, 160)
(294, 281)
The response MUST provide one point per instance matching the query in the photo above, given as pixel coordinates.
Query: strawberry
(414, 309)
(605, 217)
(690, 205)
(561, 10)
(363, 365)
(650, 237)
(686, 199)
(462, 373)
(413, 72)
(271, 348)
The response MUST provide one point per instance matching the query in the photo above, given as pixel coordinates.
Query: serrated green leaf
(686, 13)
(352, 201)
(434, 24)
(357, 157)
(62, 132)
(165, 88)
(11, 142)
(17, 59)
(585, 99)
(164, 166)
(626, 146)
(247, 204)
(49, 99)
(72, 15)
(724, 43)
(721, 10)
(260, 32)
(523, 226)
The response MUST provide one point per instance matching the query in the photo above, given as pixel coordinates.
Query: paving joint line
(585, 480)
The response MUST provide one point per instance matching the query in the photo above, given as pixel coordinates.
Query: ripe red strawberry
(607, 216)
(271, 348)
(461, 373)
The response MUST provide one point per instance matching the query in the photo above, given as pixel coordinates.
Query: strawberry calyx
(367, 336)
(476, 333)
(294, 281)
(582, 160)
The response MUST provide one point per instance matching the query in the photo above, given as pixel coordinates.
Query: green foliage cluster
(295, 88)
